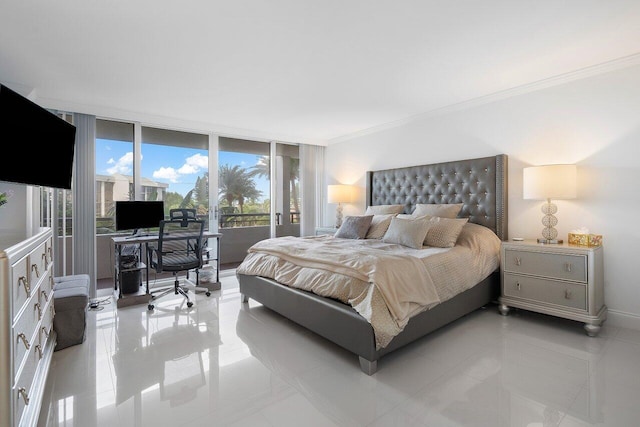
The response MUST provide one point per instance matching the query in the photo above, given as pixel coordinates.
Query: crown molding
(594, 70)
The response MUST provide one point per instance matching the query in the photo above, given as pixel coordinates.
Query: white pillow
(443, 232)
(384, 209)
(407, 232)
(379, 226)
(448, 210)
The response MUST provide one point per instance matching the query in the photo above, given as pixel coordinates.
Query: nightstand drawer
(539, 290)
(548, 264)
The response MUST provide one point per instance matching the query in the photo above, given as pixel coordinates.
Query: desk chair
(179, 249)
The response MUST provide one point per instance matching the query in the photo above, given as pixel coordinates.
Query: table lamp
(339, 193)
(545, 183)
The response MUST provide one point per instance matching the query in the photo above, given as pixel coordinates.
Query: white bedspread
(386, 283)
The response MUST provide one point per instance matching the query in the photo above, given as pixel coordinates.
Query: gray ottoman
(70, 300)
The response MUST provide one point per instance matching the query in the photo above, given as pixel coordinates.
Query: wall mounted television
(43, 144)
(136, 215)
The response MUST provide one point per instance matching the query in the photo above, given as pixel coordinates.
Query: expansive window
(173, 167)
(114, 170)
(243, 183)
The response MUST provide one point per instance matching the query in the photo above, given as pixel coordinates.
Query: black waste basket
(131, 281)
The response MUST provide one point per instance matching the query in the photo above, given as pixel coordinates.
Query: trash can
(130, 281)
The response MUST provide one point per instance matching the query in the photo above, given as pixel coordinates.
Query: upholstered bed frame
(480, 184)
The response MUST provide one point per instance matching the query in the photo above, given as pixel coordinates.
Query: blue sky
(176, 166)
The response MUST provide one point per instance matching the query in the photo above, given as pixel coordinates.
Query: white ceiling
(298, 70)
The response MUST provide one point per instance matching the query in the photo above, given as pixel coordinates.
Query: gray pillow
(407, 232)
(354, 227)
(448, 210)
(384, 209)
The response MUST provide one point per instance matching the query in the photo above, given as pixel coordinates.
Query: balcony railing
(253, 219)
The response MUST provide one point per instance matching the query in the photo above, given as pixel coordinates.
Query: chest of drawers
(27, 339)
(556, 279)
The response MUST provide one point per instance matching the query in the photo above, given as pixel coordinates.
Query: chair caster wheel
(189, 304)
(151, 306)
(208, 294)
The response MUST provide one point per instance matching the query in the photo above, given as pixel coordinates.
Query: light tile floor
(219, 365)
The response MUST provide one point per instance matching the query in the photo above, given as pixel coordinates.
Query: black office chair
(179, 249)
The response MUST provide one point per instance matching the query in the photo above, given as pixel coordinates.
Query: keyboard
(128, 250)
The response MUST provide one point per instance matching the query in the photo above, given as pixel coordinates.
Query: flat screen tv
(136, 215)
(42, 143)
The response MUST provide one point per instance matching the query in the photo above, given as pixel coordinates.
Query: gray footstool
(70, 300)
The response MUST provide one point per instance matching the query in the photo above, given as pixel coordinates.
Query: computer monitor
(136, 215)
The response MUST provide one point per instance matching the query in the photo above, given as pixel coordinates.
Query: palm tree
(236, 184)
(263, 168)
(201, 193)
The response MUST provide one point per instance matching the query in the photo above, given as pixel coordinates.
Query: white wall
(13, 218)
(593, 122)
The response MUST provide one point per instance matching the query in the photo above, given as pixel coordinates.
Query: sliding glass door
(257, 198)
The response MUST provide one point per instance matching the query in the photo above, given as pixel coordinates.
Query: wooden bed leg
(367, 366)
(244, 298)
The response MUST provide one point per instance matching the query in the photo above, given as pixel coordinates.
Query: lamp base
(550, 241)
(339, 216)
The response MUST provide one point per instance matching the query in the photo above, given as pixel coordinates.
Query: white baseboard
(622, 319)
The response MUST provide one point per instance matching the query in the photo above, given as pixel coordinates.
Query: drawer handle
(24, 339)
(23, 392)
(44, 294)
(35, 267)
(568, 266)
(39, 307)
(518, 261)
(50, 252)
(518, 285)
(53, 310)
(39, 348)
(45, 261)
(567, 294)
(25, 283)
(45, 332)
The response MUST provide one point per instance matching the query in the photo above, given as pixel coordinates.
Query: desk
(142, 295)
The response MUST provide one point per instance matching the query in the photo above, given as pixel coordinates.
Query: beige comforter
(386, 283)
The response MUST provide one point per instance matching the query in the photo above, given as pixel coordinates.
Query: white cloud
(169, 174)
(122, 166)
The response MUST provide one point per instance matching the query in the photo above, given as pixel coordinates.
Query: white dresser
(27, 339)
(556, 279)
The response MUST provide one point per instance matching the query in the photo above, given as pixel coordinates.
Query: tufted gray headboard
(481, 184)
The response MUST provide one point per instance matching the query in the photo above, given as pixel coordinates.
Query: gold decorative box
(581, 239)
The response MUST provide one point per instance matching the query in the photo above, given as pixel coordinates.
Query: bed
(479, 185)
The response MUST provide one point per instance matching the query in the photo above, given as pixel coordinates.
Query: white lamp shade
(339, 193)
(549, 182)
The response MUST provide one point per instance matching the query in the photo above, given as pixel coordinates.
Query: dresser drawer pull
(44, 294)
(568, 266)
(39, 348)
(39, 307)
(45, 261)
(23, 392)
(24, 339)
(45, 332)
(518, 285)
(567, 294)
(25, 283)
(53, 310)
(518, 260)
(35, 267)
(50, 253)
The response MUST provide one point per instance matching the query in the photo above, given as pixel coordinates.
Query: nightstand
(326, 229)
(556, 279)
